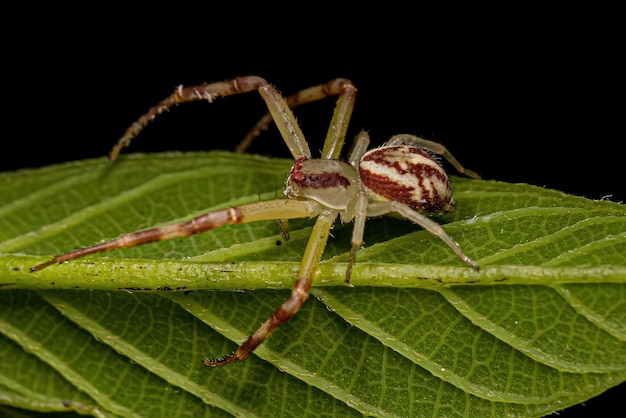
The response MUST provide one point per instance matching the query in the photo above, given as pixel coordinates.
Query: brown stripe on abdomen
(408, 175)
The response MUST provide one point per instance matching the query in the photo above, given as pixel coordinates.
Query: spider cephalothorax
(403, 178)
(333, 183)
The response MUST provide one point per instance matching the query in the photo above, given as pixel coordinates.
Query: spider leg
(299, 294)
(435, 147)
(339, 123)
(279, 110)
(382, 208)
(360, 215)
(361, 142)
(337, 87)
(359, 147)
(258, 211)
(283, 225)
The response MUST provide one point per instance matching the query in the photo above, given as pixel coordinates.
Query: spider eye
(409, 175)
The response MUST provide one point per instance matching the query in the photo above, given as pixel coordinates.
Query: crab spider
(402, 177)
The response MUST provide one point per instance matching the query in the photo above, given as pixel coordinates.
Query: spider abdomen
(409, 175)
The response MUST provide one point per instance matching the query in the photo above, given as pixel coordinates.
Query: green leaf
(540, 327)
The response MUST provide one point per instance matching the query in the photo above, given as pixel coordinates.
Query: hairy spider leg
(258, 211)
(434, 147)
(279, 110)
(383, 208)
(315, 246)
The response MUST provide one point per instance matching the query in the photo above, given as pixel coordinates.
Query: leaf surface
(540, 327)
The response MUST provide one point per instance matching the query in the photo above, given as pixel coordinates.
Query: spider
(403, 177)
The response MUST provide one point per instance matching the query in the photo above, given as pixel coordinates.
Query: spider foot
(472, 263)
(471, 173)
(43, 265)
(233, 357)
(218, 362)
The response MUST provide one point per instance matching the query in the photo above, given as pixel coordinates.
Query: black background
(542, 113)
(519, 96)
